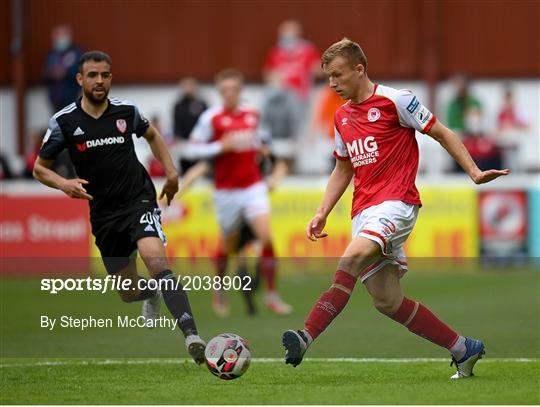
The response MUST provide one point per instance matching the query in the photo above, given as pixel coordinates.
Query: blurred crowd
(299, 119)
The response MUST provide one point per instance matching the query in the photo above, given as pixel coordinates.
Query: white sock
(458, 350)
(193, 338)
(308, 336)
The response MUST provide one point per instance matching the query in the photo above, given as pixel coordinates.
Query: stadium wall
(455, 222)
(190, 37)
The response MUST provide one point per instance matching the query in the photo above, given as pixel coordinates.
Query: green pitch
(140, 366)
(313, 382)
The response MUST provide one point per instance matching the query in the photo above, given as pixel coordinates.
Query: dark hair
(347, 49)
(96, 56)
(229, 73)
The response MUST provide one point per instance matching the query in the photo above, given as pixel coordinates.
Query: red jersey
(295, 65)
(237, 169)
(378, 137)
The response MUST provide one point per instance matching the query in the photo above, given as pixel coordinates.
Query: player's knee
(386, 305)
(155, 263)
(353, 263)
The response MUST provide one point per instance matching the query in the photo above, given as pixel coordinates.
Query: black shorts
(117, 238)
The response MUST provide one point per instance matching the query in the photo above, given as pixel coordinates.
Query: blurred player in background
(375, 144)
(232, 135)
(124, 213)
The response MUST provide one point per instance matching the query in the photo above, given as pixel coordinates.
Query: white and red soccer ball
(227, 356)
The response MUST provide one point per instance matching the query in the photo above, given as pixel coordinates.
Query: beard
(96, 100)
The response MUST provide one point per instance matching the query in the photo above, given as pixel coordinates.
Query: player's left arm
(451, 143)
(161, 153)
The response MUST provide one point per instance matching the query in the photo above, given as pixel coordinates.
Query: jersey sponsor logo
(78, 132)
(388, 223)
(413, 105)
(373, 114)
(423, 116)
(244, 140)
(121, 125)
(100, 142)
(363, 151)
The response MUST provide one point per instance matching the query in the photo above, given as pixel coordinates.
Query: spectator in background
(281, 117)
(186, 112)
(5, 168)
(324, 116)
(296, 59)
(510, 117)
(482, 148)
(61, 69)
(462, 102)
(62, 164)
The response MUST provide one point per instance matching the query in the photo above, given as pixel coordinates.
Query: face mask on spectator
(287, 41)
(62, 43)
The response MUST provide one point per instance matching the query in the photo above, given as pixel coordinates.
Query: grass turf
(313, 382)
(501, 308)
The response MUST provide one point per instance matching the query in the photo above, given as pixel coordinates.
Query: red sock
(421, 321)
(268, 267)
(330, 303)
(221, 261)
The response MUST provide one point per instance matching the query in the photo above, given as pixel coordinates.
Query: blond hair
(347, 49)
(229, 73)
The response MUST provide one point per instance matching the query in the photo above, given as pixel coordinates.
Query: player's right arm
(53, 143)
(71, 187)
(337, 184)
(200, 146)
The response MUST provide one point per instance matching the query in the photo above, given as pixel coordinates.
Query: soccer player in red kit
(231, 134)
(375, 144)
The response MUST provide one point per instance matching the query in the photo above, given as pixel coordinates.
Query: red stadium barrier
(43, 234)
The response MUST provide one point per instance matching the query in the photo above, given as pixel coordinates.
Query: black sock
(146, 293)
(177, 302)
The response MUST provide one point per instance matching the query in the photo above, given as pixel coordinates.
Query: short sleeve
(203, 130)
(412, 113)
(340, 150)
(53, 141)
(140, 123)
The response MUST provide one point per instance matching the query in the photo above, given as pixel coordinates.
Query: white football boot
(276, 304)
(150, 308)
(475, 350)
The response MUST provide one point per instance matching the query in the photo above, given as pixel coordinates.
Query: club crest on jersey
(81, 147)
(373, 114)
(344, 121)
(121, 125)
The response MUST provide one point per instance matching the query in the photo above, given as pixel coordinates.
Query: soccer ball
(227, 356)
